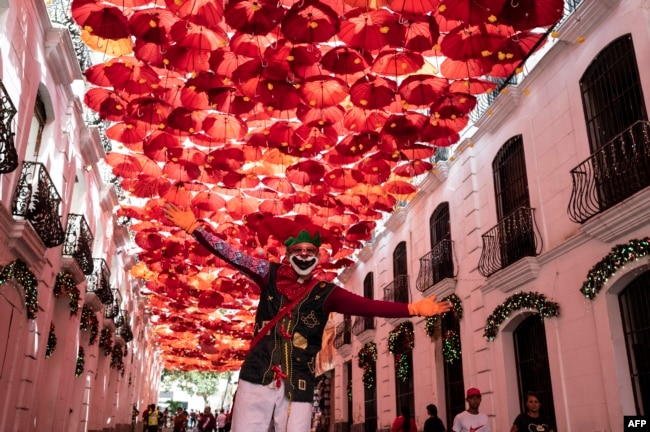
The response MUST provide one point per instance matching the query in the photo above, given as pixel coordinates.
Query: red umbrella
(529, 14)
(310, 21)
(224, 62)
(361, 231)
(208, 202)
(360, 120)
(308, 141)
(252, 45)
(128, 132)
(152, 25)
(226, 159)
(373, 92)
(104, 21)
(124, 165)
(357, 144)
(150, 111)
(239, 206)
(185, 59)
(198, 37)
(280, 135)
(238, 181)
(229, 100)
(400, 189)
(343, 60)
(279, 184)
(421, 90)
(275, 207)
(278, 95)
(156, 144)
(473, 86)
(472, 12)
(224, 127)
(371, 29)
(343, 178)
(184, 164)
(144, 186)
(415, 6)
(376, 171)
(397, 62)
(305, 173)
(323, 91)
(175, 193)
(421, 32)
(320, 116)
(202, 12)
(412, 169)
(185, 121)
(405, 128)
(507, 57)
(253, 16)
(473, 42)
(106, 103)
(457, 103)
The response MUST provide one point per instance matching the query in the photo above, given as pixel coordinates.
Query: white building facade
(537, 227)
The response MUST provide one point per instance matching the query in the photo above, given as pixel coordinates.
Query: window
(634, 302)
(369, 286)
(531, 356)
(442, 265)
(516, 235)
(611, 93)
(453, 375)
(37, 126)
(400, 274)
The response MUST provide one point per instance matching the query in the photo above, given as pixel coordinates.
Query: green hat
(303, 237)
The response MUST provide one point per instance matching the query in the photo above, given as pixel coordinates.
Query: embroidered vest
(292, 344)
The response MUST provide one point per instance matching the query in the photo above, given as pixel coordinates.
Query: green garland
(117, 358)
(51, 342)
(89, 322)
(65, 284)
(18, 272)
(105, 341)
(367, 362)
(400, 343)
(524, 300)
(456, 309)
(617, 258)
(451, 346)
(80, 362)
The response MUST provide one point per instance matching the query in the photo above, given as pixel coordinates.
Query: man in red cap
(471, 420)
(277, 380)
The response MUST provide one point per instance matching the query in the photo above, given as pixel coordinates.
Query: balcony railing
(112, 311)
(362, 324)
(343, 334)
(615, 172)
(99, 281)
(123, 329)
(78, 242)
(436, 265)
(514, 237)
(8, 154)
(37, 200)
(397, 290)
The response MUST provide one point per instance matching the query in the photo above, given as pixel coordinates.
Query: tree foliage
(204, 384)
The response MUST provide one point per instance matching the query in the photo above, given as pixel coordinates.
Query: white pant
(259, 408)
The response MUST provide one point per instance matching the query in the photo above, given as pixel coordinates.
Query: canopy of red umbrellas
(266, 116)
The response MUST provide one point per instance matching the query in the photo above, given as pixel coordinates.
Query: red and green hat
(303, 237)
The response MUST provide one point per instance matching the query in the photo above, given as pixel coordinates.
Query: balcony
(436, 265)
(78, 243)
(112, 311)
(516, 236)
(8, 154)
(99, 282)
(343, 334)
(37, 200)
(123, 329)
(397, 290)
(618, 170)
(364, 328)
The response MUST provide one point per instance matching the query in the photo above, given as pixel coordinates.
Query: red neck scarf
(287, 281)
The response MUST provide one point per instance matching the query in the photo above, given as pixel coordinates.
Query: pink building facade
(75, 352)
(533, 225)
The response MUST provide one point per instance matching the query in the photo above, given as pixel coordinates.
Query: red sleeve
(347, 303)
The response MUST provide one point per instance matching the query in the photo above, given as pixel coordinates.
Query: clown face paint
(303, 257)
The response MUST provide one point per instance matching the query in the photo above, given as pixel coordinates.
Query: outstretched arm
(256, 268)
(345, 302)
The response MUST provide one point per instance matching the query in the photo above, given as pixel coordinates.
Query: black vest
(296, 355)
